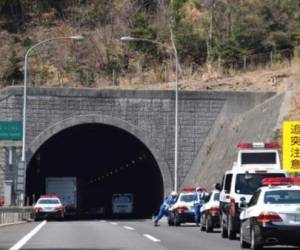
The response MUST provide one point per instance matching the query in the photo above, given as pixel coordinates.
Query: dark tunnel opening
(105, 161)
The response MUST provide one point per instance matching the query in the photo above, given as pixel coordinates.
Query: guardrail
(12, 215)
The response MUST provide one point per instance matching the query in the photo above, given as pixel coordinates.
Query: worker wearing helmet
(199, 198)
(169, 201)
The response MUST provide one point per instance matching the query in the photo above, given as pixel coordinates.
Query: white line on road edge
(151, 238)
(129, 228)
(113, 223)
(27, 237)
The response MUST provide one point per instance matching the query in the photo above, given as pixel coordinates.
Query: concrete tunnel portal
(105, 160)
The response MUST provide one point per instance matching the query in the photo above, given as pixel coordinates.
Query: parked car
(272, 216)
(183, 209)
(49, 206)
(210, 212)
(255, 161)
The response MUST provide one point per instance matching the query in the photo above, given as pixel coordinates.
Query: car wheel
(223, 227)
(230, 232)
(202, 221)
(256, 239)
(208, 226)
(170, 221)
(243, 243)
(176, 220)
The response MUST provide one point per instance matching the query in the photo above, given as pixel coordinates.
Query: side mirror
(243, 203)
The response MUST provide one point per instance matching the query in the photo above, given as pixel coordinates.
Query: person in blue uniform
(169, 201)
(199, 198)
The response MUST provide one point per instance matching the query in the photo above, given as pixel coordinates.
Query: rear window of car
(282, 197)
(249, 183)
(48, 201)
(216, 196)
(187, 197)
(258, 158)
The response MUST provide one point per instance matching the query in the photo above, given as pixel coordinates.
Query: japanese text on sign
(291, 146)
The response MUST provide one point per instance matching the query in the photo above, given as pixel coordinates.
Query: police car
(255, 161)
(272, 216)
(49, 206)
(183, 209)
(210, 212)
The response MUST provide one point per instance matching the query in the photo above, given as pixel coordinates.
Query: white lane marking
(129, 228)
(102, 220)
(27, 237)
(151, 238)
(113, 223)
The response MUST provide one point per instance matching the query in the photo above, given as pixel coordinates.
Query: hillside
(235, 45)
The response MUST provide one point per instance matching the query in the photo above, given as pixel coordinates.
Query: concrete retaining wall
(219, 150)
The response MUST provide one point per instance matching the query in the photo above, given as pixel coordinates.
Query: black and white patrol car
(272, 216)
(182, 211)
(210, 212)
(49, 206)
(255, 161)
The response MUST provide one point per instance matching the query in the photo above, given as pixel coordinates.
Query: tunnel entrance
(105, 161)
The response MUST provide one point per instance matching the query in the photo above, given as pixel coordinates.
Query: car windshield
(48, 201)
(282, 197)
(187, 197)
(249, 183)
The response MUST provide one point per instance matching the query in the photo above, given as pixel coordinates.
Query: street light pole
(174, 53)
(76, 38)
(22, 164)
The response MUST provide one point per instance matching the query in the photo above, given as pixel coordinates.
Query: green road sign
(10, 130)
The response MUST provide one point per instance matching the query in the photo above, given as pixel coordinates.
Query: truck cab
(255, 161)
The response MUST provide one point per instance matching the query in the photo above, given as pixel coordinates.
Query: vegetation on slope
(210, 36)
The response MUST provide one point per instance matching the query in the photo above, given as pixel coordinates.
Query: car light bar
(281, 181)
(188, 190)
(258, 145)
(49, 196)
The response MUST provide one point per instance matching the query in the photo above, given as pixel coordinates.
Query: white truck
(66, 189)
(255, 161)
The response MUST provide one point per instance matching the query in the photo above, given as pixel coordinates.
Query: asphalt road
(111, 235)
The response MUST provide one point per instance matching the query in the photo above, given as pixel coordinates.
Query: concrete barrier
(12, 215)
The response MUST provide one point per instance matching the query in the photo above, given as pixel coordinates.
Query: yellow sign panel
(291, 146)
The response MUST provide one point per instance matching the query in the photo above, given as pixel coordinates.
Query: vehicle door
(247, 215)
(225, 193)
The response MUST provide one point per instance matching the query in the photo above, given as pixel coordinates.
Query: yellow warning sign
(291, 146)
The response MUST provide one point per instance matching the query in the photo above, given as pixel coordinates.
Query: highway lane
(114, 235)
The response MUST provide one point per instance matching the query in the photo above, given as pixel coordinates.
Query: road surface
(111, 235)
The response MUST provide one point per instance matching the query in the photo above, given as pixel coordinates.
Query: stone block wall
(150, 112)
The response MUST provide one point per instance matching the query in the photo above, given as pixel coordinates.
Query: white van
(122, 203)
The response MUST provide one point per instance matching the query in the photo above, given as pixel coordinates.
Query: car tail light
(38, 209)
(214, 210)
(267, 217)
(232, 206)
(181, 209)
(59, 209)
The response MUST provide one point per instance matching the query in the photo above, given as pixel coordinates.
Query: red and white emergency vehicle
(255, 161)
(272, 216)
(49, 206)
